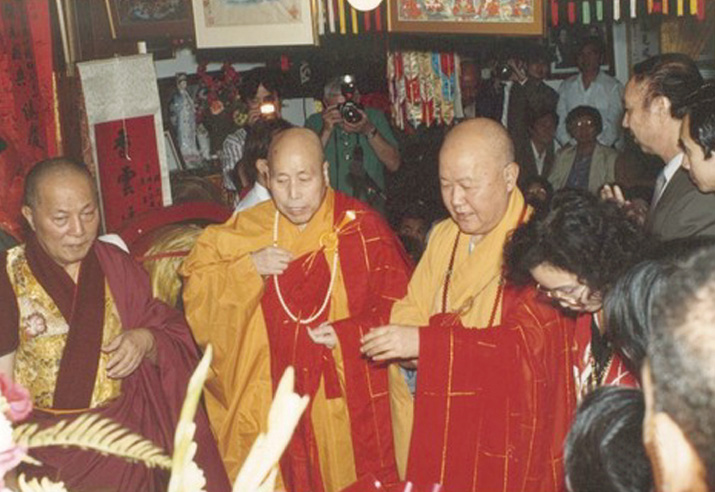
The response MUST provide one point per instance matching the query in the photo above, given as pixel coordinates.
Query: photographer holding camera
(260, 92)
(358, 142)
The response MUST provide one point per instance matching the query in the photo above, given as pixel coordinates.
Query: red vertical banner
(129, 170)
(27, 124)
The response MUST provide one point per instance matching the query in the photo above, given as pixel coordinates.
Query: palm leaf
(43, 485)
(90, 431)
(186, 476)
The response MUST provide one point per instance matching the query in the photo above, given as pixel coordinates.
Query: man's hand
(254, 114)
(391, 342)
(324, 335)
(636, 210)
(331, 117)
(128, 351)
(364, 126)
(271, 260)
(613, 193)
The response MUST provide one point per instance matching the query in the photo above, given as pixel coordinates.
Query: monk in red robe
(494, 393)
(82, 332)
(297, 281)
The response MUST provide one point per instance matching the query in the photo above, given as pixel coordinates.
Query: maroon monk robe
(151, 396)
(493, 406)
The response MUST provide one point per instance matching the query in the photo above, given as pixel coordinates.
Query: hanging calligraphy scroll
(129, 169)
(126, 137)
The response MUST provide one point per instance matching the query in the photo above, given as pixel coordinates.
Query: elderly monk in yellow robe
(297, 281)
(494, 391)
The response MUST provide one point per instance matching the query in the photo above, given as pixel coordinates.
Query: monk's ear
(27, 213)
(326, 172)
(511, 174)
(262, 167)
(661, 105)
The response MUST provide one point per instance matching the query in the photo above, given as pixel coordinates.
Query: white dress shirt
(668, 172)
(605, 94)
(257, 194)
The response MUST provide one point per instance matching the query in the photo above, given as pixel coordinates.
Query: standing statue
(182, 114)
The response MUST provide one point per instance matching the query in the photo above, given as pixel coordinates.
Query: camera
(268, 110)
(349, 110)
(503, 71)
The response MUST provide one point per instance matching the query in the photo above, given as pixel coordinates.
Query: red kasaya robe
(151, 397)
(493, 406)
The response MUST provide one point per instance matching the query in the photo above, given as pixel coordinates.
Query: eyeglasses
(570, 292)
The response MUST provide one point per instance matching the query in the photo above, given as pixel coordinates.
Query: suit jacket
(682, 211)
(527, 162)
(540, 97)
(490, 104)
(603, 167)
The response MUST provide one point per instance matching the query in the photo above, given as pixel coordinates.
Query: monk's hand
(271, 260)
(128, 350)
(391, 342)
(324, 335)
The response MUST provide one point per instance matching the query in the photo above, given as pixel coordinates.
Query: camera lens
(349, 112)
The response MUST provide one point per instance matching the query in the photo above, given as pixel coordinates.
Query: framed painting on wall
(147, 19)
(564, 41)
(245, 23)
(511, 17)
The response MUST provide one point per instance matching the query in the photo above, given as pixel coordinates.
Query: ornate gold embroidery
(43, 335)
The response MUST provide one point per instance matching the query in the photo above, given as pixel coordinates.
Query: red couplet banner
(129, 170)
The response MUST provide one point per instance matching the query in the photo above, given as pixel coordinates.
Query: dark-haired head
(587, 115)
(604, 449)
(628, 309)
(261, 76)
(672, 75)
(697, 137)
(682, 374)
(579, 235)
(258, 139)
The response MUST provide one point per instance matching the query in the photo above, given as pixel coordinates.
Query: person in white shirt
(258, 139)
(592, 87)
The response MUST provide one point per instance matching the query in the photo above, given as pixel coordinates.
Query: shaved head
(297, 174)
(296, 141)
(477, 174)
(51, 168)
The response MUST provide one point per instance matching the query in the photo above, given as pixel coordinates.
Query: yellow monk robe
(474, 283)
(493, 404)
(229, 305)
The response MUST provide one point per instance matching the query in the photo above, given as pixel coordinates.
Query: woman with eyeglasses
(575, 250)
(587, 165)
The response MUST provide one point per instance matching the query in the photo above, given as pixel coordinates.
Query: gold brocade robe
(43, 335)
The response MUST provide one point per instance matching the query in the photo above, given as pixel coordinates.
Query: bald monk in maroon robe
(82, 332)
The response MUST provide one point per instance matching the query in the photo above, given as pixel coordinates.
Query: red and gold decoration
(28, 120)
(423, 87)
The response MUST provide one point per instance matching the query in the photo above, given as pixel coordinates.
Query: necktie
(658, 191)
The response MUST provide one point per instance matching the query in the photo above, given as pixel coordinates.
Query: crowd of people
(551, 333)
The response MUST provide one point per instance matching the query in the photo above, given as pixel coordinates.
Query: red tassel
(285, 63)
(378, 17)
(367, 21)
(554, 13)
(657, 6)
(701, 10)
(572, 12)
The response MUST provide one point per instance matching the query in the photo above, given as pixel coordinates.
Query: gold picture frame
(251, 23)
(508, 17)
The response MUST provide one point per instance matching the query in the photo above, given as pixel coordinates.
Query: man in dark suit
(654, 108)
(540, 97)
(536, 158)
